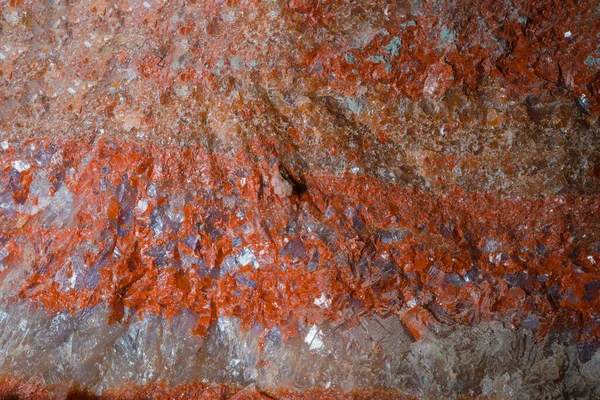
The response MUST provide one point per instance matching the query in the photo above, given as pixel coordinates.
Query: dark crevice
(298, 185)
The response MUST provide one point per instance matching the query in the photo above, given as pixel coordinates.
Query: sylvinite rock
(299, 199)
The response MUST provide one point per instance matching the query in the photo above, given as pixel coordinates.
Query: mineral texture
(303, 199)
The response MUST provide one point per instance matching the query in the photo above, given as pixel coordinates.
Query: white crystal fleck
(322, 301)
(314, 339)
(225, 325)
(4, 145)
(72, 280)
(142, 205)
(20, 165)
(247, 257)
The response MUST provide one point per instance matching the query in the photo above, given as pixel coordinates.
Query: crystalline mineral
(299, 199)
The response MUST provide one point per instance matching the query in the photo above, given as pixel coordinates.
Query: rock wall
(299, 199)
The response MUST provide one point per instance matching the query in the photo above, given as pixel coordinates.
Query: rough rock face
(299, 199)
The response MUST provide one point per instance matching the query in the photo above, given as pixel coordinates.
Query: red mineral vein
(165, 228)
(11, 386)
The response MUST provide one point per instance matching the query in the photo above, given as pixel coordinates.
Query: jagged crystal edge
(60, 351)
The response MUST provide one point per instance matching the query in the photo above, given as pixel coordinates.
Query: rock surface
(299, 199)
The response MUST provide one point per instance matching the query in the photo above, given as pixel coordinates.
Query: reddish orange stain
(435, 260)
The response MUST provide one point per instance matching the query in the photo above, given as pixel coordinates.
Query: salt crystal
(20, 165)
(247, 257)
(314, 338)
(322, 301)
(142, 205)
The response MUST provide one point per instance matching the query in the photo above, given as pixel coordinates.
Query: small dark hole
(298, 187)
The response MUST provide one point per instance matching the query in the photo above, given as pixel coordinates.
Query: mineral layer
(304, 199)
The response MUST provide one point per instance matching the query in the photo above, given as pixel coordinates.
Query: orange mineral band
(299, 199)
